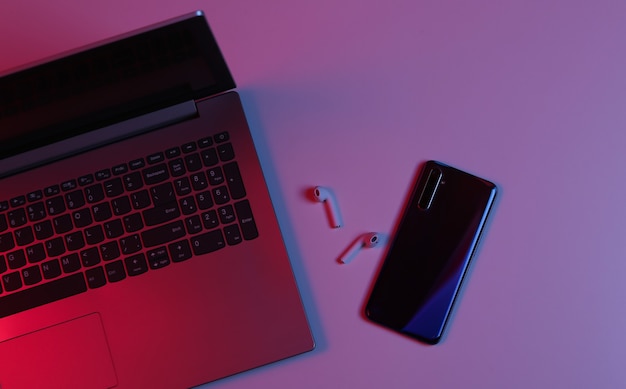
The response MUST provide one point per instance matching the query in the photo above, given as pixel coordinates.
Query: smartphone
(430, 251)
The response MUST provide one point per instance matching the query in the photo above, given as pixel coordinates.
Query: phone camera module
(428, 193)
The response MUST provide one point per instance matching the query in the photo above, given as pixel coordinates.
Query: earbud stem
(351, 252)
(334, 217)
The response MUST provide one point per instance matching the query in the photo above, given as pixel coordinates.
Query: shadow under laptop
(259, 131)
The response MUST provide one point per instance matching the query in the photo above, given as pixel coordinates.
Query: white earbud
(371, 239)
(325, 196)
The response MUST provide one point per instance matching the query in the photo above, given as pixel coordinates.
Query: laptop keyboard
(119, 223)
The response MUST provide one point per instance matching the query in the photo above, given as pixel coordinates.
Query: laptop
(138, 243)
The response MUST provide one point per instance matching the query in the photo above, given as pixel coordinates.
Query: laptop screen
(110, 82)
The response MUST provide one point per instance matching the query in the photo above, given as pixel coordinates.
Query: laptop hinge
(97, 138)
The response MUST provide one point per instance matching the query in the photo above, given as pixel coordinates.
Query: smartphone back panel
(430, 252)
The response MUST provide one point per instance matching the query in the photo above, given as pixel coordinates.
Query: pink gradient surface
(354, 95)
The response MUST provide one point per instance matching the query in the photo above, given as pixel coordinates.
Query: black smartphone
(430, 251)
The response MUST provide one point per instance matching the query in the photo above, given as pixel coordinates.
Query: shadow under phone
(430, 252)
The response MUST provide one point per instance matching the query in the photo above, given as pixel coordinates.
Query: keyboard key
(205, 142)
(209, 157)
(113, 187)
(101, 212)
(113, 229)
(6, 242)
(189, 147)
(207, 242)
(163, 234)
(120, 169)
(246, 220)
(36, 211)
(75, 199)
(180, 251)
(34, 196)
(52, 190)
(172, 153)
(226, 214)
(55, 205)
(115, 271)
(133, 222)
(130, 244)
(3, 222)
(82, 218)
(110, 250)
(74, 241)
(16, 259)
(210, 219)
(162, 194)
(226, 152)
(194, 224)
(11, 282)
(31, 275)
(220, 195)
(51, 269)
(70, 263)
(69, 185)
(155, 158)
(94, 193)
(43, 230)
(18, 201)
(17, 217)
(177, 167)
(222, 137)
(95, 277)
(90, 257)
(136, 265)
(233, 235)
(62, 224)
(24, 236)
(161, 214)
(4, 205)
(103, 174)
(193, 162)
(155, 174)
(158, 258)
(36, 253)
(85, 180)
(234, 181)
(187, 205)
(3, 266)
(216, 177)
(182, 186)
(204, 200)
(133, 181)
(55, 247)
(137, 164)
(121, 205)
(140, 199)
(94, 234)
(42, 294)
(199, 181)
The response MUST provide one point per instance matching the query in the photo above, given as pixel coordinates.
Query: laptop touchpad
(73, 354)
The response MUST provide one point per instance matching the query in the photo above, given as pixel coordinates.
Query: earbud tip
(372, 239)
(316, 192)
(320, 193)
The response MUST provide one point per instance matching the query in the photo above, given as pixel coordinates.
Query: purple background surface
(354, 95)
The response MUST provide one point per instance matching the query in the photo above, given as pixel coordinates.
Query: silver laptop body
(138, 243)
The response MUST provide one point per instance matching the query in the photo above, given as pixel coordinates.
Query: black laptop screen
(110, 82)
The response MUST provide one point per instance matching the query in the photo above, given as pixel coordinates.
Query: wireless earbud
(324, 195)
(371, 239)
